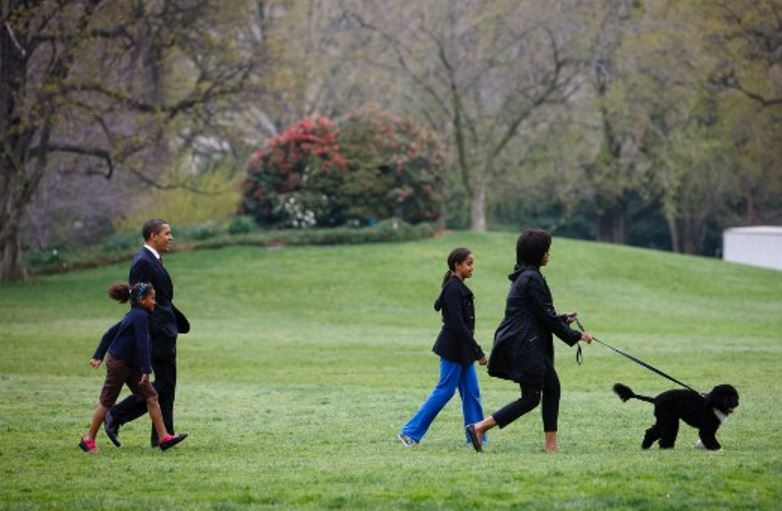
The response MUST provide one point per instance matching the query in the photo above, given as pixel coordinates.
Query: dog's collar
(721, 416)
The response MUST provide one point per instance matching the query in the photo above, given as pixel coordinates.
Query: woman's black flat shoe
(476, 442)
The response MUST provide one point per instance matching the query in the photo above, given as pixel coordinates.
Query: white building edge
(757, 246)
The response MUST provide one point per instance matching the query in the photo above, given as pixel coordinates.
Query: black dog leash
(637, 361)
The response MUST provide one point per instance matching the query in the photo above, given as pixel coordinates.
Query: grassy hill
(304, 362)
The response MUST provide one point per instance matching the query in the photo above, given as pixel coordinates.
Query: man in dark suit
(164, 325)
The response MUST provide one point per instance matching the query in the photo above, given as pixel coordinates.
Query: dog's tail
(624, 392)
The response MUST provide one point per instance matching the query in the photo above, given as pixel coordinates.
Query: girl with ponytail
(128, 362)
(457, 349)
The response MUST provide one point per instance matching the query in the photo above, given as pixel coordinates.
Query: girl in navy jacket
(128, 362)
(457, 349)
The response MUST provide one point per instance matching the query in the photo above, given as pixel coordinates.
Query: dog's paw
(699, 445)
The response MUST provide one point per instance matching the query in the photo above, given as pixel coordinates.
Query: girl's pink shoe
(169, 441)
(88, 445)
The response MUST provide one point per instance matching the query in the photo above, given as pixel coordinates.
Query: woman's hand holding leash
(585, 336)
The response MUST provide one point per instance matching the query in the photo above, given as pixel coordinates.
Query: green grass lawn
(303, 363)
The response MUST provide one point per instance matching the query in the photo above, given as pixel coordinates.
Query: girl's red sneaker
(170, 441)
(88, 445)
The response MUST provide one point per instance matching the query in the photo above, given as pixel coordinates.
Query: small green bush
(241, 224)
(197, 232)
(42, 257)
(386, 231)
(121, 246)
(120, 241)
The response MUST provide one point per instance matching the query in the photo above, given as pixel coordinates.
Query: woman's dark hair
(531, 246)
(123, 292)
(152, 227)
(457, 255)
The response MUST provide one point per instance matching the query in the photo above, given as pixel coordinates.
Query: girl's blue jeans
(452, 376)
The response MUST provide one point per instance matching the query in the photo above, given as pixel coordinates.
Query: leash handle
(579, 352)
(580, 326)
(636, 360)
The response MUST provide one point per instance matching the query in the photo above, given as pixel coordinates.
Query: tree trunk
(673, 231)
(687, 234)
(612, 226)
(695, 232)
(440, 223)
(11, 267)
(752, 208)
(478, 208)
(14, 142)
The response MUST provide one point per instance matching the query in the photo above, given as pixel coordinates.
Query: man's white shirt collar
(154, 252)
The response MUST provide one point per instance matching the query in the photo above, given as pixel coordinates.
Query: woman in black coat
(523, 343)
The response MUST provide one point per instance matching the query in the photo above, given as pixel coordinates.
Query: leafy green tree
(616, 176)
(746, 39)
(660, 145)
(478, 71)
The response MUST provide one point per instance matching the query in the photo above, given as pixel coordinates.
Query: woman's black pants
(530, 397)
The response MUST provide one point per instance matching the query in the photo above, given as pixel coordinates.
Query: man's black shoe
(111, 428)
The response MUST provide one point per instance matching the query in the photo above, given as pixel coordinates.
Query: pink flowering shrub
(283, 175)
(369, 167)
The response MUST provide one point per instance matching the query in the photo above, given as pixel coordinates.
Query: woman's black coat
(523, 343)
(456, 342)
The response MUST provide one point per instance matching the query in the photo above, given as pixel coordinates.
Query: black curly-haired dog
(704, 412)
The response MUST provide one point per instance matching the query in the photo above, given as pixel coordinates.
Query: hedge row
(121, 247)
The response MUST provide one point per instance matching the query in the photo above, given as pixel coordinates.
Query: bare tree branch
(94, 152)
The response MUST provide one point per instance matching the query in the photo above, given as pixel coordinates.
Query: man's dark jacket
(166, 320)
(456, 342)
(523, 343)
